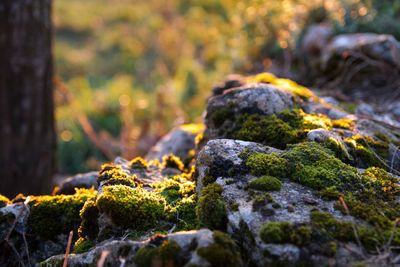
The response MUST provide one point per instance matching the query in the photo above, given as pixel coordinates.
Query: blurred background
(127, 71)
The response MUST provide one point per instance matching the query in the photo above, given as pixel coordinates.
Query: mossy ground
(211, 209)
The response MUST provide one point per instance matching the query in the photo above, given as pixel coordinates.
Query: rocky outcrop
(281, 177)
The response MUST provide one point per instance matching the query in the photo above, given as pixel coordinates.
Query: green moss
(171, 161)
(271, 130)
(275, 232)
(312, 165)
(211, 209)
(53, 215)
(223, 252)
(266, 183)
(111, 171)
(89, 227)
(219, 116)
(4, 201)
(82, 245)
(128, 181)
(261, 200)
(267, 164)
(339, 149)
(131, 208)
(186, 213)
(368, 151)
(347, 124)
(167, 254)
(138, 163)
(208, 179)
(330, 193)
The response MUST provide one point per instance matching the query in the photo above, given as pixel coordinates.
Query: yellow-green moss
(167, 254)
(223, 252)
(131, 208)
(219, 116)
(284, 84)
(267, 164)
(138, 163)
(171, 161)
(53, 215)
(284, 232)
(111, 171)
(266, 183)
(211, 209)
(347, 124)
(88, 228)
(4, 201)
(276, 130)
(82, 245)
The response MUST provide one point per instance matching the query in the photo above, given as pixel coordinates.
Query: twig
(71, 234)
(103, 257)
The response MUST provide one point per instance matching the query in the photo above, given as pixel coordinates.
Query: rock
(362, 65)
(194, 248)
(231, 81)
(85, 180)
(179, 142)
(222, 158)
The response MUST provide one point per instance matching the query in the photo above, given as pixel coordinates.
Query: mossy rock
(167, 254)
(267, 164)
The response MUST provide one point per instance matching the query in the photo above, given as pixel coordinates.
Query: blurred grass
(130, 70)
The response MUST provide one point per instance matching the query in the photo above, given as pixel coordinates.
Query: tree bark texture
(27, 135)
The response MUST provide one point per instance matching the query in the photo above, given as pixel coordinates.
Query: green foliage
(266, 183)
(211, 208)
(266, 164)
(133, 208)
(53, 215)
(223, 252)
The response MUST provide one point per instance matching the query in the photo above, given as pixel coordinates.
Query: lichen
(211, 209)
(223, 252)
(133, 208)
(54, 215)
(266, 183)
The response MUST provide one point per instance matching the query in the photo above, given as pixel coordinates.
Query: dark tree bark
(27, 136)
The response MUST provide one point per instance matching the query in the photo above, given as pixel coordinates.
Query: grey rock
(84, 180)
(179, 141)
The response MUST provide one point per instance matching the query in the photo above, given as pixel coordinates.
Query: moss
(339, 149)
(347, 124)
(266, 164)
(330, 193)
(271, 130)
(312, 165)
(186, 213)
(54, 215)
(211, 209)
(123, 180)
(368, 151)
(234, 207)
(261, 200)
(208, 179)
(131, 208)
(266, 183)
(284, 84)
(4, 201)
(219, 116)
(82, 245)
(276, 205)
(138, 163)
(167, 254)
(275, 232)
(111, 171)
(223, 252)
(89, 227)
(171, 161)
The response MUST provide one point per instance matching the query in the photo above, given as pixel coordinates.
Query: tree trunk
(27, 136)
